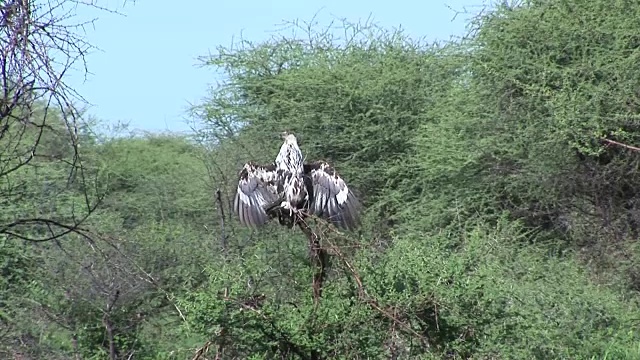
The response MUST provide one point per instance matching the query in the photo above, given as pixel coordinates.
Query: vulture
(292, 189)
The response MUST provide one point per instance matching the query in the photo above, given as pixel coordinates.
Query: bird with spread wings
(291, 189)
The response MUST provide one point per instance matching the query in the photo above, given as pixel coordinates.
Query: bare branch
(613, 142)
(319, 259)
(39, 45)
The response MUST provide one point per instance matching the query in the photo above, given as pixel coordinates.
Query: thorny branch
(273, 331)
(39, 46)
(223, 234)
(364, 296)
(223, 240)
(362, 292)
(102, 273)
(108, 324)
(613, 142)
(320, 259)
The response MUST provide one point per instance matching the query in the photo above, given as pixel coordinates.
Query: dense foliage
(499, 180)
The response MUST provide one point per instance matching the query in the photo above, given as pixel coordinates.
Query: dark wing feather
(332, 198)
(256, 191)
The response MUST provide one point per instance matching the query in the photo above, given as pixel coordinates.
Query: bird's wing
(256, 191)
(332, 198)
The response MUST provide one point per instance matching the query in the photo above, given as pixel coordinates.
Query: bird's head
(289, 138)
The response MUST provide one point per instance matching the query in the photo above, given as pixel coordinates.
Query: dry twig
(39, 45)
(613, 142)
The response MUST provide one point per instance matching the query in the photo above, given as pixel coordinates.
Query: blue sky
(146, 72)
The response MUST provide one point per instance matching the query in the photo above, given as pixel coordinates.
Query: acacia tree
(424, 129)
(47, 190)
(39, 45)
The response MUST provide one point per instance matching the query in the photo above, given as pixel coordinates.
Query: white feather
(244, 198)
(342, 195)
